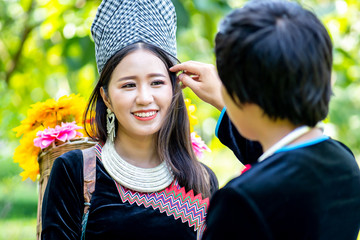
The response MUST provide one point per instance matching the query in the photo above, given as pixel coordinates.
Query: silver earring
(110, 125)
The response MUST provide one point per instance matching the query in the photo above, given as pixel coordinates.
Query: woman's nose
(144, 96)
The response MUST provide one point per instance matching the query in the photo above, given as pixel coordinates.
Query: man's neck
(274, 131)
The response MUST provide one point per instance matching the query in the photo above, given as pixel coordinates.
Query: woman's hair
(173, 142)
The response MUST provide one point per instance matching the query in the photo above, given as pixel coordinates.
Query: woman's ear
(105, 98)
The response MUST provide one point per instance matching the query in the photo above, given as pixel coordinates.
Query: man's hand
(203, 80)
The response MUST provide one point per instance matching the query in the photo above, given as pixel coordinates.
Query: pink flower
(198, 145)
(45, 138)
(65, 132)
(68, 131)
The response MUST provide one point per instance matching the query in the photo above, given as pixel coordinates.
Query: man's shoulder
(303, 171)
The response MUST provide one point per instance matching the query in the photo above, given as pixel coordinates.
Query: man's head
(279, 56)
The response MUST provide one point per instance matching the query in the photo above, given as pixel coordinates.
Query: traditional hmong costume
(117, 212)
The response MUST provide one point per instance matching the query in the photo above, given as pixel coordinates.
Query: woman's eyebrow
(134, 77)
(126, 78)
(156, 75)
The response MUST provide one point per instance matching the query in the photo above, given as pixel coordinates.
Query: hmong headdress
(119, 23)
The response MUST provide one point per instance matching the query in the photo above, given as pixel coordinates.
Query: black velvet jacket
(306, 191)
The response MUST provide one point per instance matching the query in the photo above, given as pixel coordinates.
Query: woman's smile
(145, 115)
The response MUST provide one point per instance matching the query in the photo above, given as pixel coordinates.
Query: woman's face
(140, 94)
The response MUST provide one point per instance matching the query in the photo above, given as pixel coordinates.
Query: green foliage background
(46, 51)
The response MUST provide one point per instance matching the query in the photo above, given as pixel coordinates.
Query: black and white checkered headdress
(119, 23)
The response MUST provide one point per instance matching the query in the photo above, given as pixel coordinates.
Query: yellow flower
(26, 155)
(71, 108)
(31, 169)
(26, 126)
(26, 147)
(191, 109)
(40, 116)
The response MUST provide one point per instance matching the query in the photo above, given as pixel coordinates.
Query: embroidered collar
(173, 200)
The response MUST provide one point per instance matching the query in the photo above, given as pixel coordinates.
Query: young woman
(149, 183)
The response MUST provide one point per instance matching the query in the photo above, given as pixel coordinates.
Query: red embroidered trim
(173, 201)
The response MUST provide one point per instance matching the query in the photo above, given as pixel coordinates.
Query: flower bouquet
(48, 125)
(50, 129)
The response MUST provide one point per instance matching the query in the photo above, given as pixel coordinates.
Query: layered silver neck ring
(132, 177)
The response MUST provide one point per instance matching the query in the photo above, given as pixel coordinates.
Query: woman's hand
(203, 80)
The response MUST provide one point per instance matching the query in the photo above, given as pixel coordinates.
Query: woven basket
(46, 159)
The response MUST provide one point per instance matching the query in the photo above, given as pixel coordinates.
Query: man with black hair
(274, 59)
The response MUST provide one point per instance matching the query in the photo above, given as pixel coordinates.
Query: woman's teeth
(145, 114)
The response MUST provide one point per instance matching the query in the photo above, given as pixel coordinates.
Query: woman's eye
(158, 82)
(128, 85)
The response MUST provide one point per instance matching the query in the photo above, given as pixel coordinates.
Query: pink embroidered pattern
(98, 148)
(173, 201)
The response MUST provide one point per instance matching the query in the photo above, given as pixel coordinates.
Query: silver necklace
(132, 177)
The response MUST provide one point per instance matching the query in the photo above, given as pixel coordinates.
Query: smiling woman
(149, 183)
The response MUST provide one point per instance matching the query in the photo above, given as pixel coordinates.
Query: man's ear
(105, 98)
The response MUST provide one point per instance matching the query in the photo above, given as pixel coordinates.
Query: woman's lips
(145, 115)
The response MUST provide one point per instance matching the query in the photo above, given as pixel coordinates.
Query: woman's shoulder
(66, 173)
(70, 161)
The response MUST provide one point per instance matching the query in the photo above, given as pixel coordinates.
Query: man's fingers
(189, 67)
(188, 81)
(195, 77)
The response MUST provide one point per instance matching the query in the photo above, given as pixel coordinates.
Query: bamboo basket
(46, 159)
